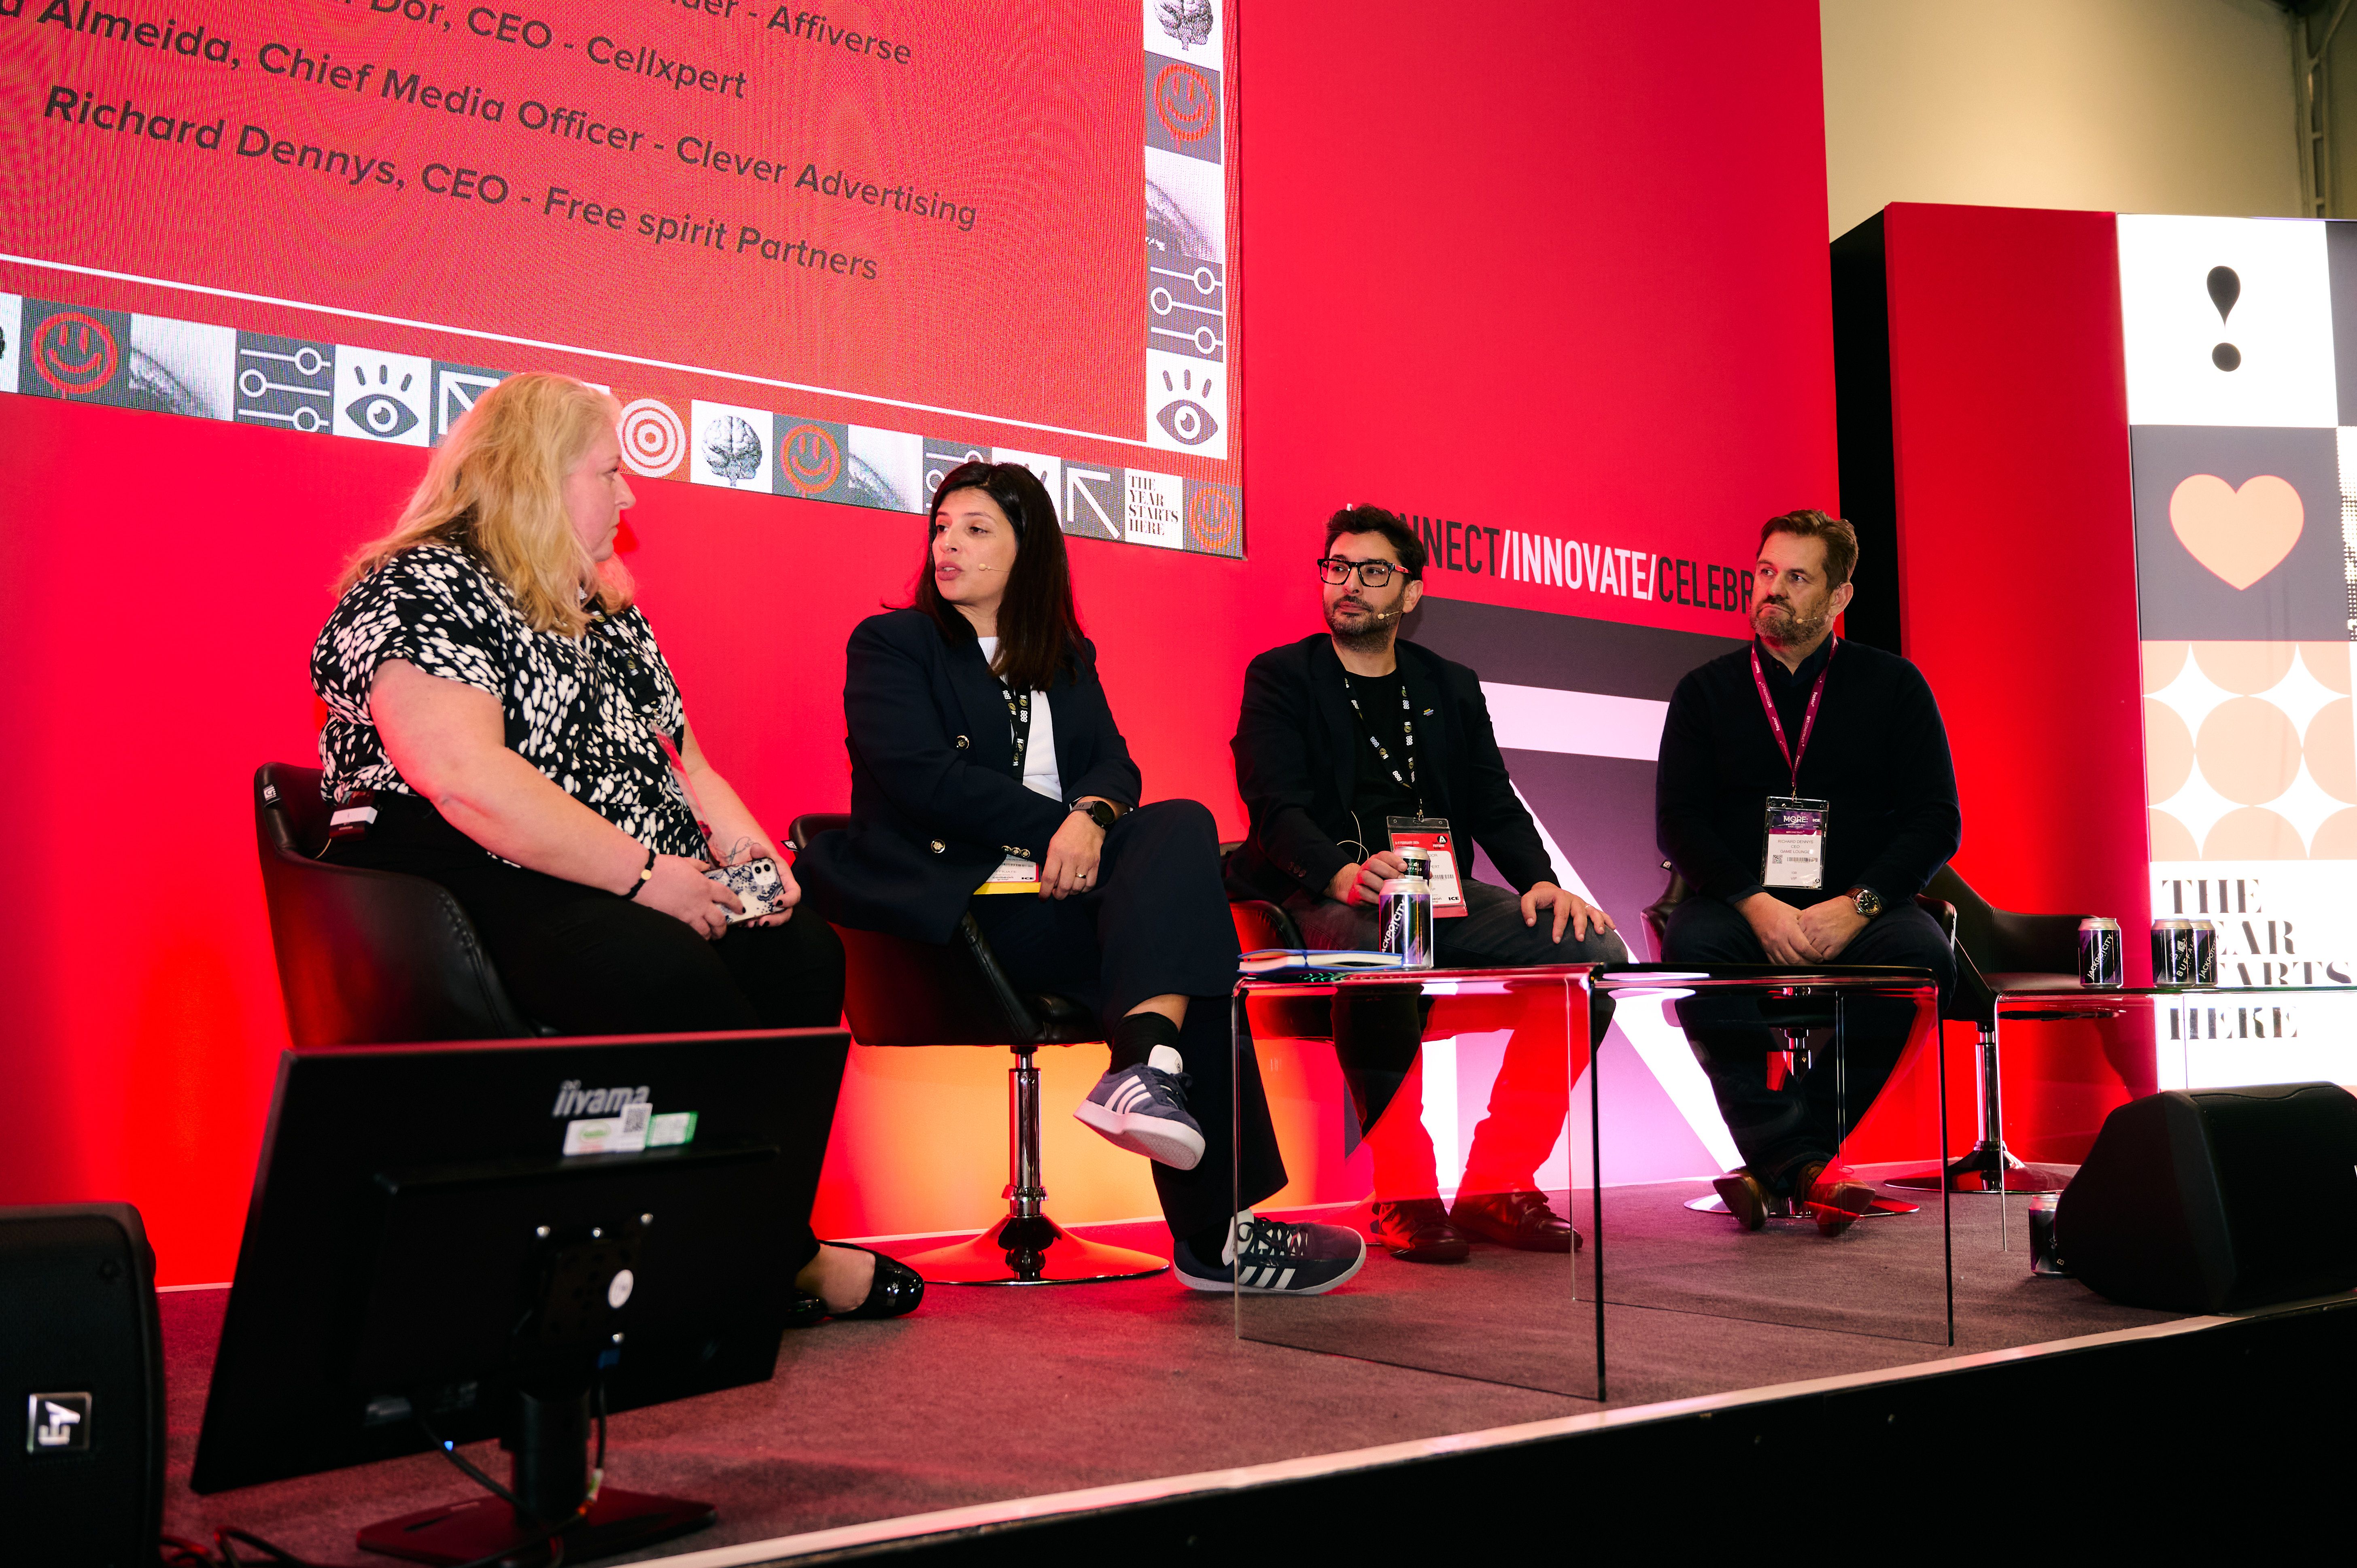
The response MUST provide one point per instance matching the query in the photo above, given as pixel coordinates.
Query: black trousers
(1780, 1129)
(1156, 924)
(584, 962)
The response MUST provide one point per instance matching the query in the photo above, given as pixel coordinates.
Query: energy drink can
(2172, 952)
(2099, 950)
(2205, 953)
(1404, 912)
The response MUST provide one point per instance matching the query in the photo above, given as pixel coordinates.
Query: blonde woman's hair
(495, 487)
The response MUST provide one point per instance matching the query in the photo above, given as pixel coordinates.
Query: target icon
(653, 439)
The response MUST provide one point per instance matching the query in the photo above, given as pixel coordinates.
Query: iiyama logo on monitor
(571, 1100)
(57, 1423)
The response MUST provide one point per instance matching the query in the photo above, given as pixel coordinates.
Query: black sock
(1138, 1035)
(1209, 1243)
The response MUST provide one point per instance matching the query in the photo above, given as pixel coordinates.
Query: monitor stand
(551, 1476)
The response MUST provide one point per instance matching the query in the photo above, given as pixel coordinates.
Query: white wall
(2117, 105)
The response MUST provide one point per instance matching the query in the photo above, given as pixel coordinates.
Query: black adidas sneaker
(1276, 1259)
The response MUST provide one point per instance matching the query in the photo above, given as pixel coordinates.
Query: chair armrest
(1943, 913)
(376, 956)
(1261, 924)
(1656, 914)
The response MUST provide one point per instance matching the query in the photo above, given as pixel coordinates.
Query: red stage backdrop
(2009, 435)
(1479, 291)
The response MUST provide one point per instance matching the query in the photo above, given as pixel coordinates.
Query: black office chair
(904, 993)
(1803, 1018)
(1998, 950)
(366, 956)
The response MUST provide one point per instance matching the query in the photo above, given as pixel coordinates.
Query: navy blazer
(935, 802)
(1296, 761)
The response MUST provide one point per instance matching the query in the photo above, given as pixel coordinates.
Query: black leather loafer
(807, 1311)
(1417, 1229)
(1519, 1219)
(896, 1288)
(1745, 1197)
(1829, 1196)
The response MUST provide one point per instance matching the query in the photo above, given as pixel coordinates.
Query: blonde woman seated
(498, 720)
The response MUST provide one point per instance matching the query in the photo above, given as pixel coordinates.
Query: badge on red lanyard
(1793, 848)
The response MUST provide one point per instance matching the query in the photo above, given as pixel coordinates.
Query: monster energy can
(1404, 911)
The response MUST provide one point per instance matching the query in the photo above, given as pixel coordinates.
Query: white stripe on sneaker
(1285, 1279)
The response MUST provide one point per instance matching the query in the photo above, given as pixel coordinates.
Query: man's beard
(1780, 623)
(1374, 633)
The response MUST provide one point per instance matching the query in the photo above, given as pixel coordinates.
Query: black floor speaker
(2210, 1199)
(82, 1374)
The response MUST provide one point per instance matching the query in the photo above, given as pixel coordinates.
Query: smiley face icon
(72, 353)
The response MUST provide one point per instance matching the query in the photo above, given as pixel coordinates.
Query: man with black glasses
(1340, 734)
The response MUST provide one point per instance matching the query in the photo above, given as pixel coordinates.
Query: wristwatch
(1098, 812)
(1869, 902)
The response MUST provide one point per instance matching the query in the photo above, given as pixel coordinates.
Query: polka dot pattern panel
(2250, 750)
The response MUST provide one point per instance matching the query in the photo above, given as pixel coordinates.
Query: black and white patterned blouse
(585, 710)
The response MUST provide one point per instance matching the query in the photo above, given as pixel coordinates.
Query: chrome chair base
(1987, 1169)
(1884, 1208)
(1032, 1251)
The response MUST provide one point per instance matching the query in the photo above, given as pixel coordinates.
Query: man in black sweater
(1341, 732)
(1806, 794)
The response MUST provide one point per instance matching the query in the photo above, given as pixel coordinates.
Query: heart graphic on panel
(2240, 535)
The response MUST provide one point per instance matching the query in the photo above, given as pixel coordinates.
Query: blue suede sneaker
(1144, 1110)
(1273, 1258)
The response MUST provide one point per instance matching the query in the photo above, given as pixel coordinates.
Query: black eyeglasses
(1374, 574)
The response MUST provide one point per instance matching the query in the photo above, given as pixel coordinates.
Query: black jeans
(584, 962)
(1376, 1040)
(1778, 1130)
(1156, 924)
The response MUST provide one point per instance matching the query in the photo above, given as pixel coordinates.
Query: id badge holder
(1431, 835)
(1794, 852)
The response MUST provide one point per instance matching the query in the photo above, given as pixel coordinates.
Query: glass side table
(1438, 1088)
(1370, 1077)
(1834, 1038)
(2203, 1036)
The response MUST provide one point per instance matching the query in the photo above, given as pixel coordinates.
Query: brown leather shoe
(1745, 1197)
(1416, 1230)
(1519, 1219)
(1828, 1195)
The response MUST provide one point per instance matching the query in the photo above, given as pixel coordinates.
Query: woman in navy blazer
(983, 754)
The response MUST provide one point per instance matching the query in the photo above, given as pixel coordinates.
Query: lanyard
(1018, 714)
(1408, 739)
(687, 795)
(1768, 706)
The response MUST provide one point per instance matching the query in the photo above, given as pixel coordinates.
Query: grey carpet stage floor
(991, 1394)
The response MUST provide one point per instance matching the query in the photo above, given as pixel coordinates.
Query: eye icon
(382, 415)
(1188, 423)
